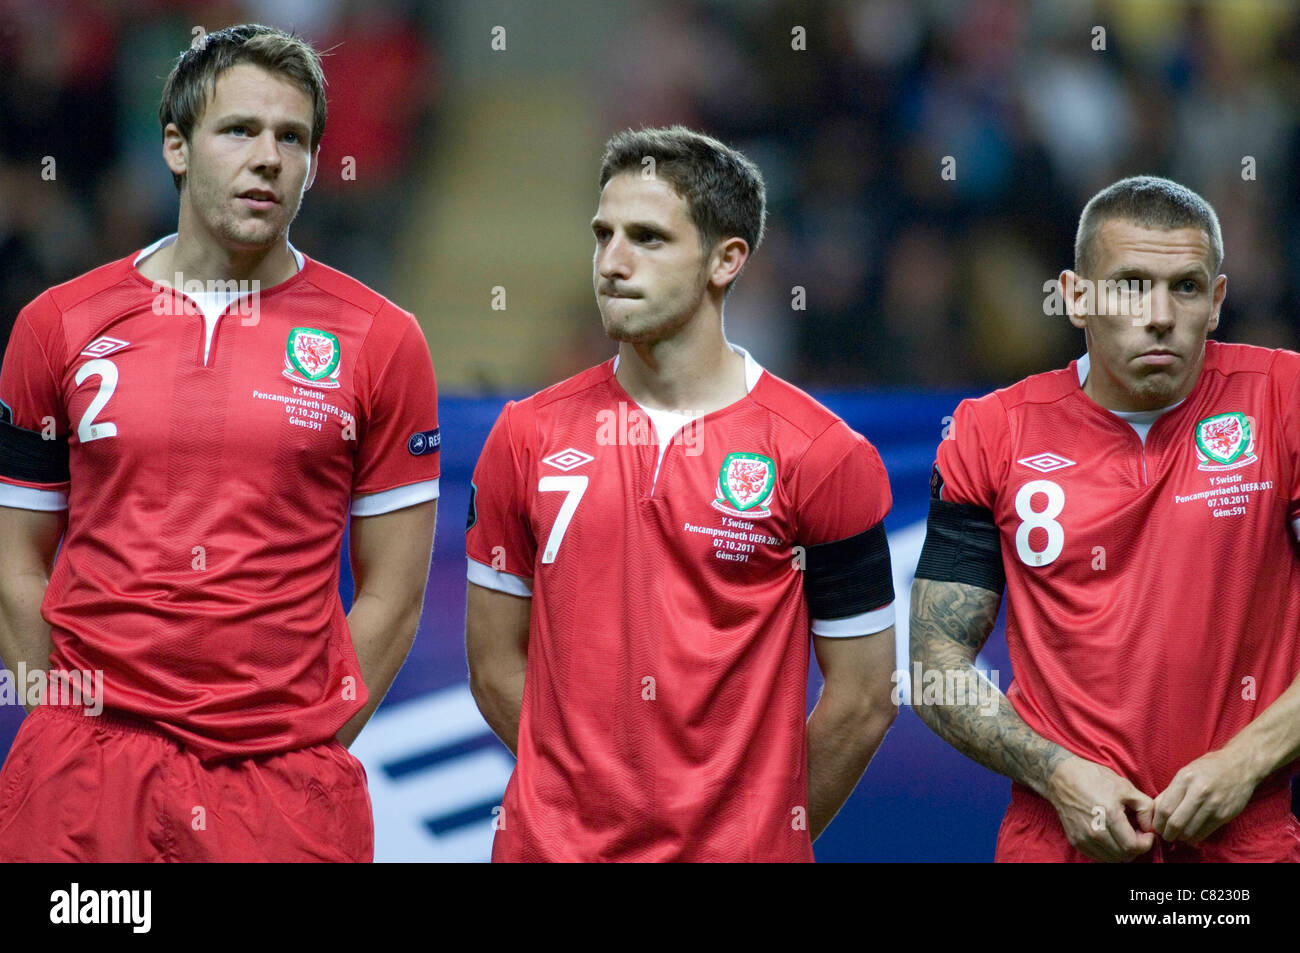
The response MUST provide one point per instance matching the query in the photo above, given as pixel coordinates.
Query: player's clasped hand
(1203, 796)
(1080, 790)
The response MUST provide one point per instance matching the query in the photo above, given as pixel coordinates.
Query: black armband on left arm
(26, 455)
(962, 544)
(849, 576)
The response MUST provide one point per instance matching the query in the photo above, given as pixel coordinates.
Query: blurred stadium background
(475, 169)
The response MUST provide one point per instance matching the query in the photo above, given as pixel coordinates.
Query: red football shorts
(77, 787)
(1265, 832)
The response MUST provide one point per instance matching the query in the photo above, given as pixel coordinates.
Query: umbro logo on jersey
(103, 345)
(1046, 462)
(568, 459)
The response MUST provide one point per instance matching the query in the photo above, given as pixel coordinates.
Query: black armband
(849, 576)
(26, 455)
(962, 544)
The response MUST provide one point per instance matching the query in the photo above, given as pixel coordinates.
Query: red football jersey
(1153, 591)
(213, 464)
(665, 691)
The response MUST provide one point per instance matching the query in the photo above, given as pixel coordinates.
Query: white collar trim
(753, 370)
(168, 239)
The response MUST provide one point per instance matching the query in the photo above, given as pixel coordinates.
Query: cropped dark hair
(1148, 201)
(193, 80)
(724, 192)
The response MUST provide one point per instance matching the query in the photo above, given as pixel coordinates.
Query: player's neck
(696, 372)
(197, 256)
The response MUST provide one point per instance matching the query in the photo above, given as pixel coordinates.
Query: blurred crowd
(917, 280)
(878, 271)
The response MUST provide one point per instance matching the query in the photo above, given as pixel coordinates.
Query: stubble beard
(1156, 389)
(1160, 388)
(635, 329)
(652, 328)
(254, 232)
(236, 231)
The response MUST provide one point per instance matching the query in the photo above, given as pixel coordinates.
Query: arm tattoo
(950, 624)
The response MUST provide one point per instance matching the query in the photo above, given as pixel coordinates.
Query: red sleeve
(399, 437)
(1288, 368)
(29, 380)
(969, 459)
(499, 534)
(840, 488)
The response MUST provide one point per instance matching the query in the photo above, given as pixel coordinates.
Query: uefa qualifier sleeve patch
(424, 442)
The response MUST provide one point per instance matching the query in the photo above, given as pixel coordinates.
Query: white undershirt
(669, 422)
(213, 304)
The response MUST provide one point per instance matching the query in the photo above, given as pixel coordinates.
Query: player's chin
(1159, 384)
(620, 329)
(627, 335)
(251, 235)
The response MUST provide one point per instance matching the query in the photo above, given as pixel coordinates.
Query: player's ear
(311, 169)
(1220, 292)
(1075, 292)
(728, 258)
(176, 151)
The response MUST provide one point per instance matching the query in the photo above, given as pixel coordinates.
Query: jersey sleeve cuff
(30, 498)
(489, 578)
(398, 498)
(864, 623)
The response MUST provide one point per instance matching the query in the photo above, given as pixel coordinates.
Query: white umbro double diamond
(568, 459)
(1046, 462)
(103, 345)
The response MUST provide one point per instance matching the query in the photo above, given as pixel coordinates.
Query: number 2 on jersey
(574, 486)
(106, 370)
(1044, 519)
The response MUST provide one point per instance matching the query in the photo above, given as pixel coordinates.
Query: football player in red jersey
(198, 421)
(1139, 508)
(654, 542)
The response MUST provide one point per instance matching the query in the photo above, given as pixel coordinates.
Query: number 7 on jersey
(574, 486)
